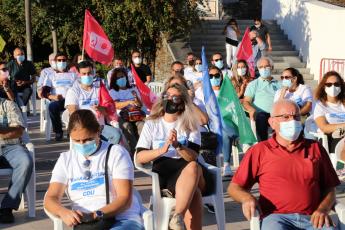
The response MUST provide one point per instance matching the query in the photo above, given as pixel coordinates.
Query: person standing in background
(232, 33)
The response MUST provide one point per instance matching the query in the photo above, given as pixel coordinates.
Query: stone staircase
(284, 55)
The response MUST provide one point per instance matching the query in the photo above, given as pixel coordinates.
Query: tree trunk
(28, 30)
(55, 45)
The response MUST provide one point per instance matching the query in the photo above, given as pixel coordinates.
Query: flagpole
(83, 49)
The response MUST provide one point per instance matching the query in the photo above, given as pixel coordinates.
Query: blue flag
(211, 104)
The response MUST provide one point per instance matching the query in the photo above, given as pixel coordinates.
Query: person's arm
(121, 104)
(248, 201)
(186, 153)
(320, 216)
(71, 108)
(52, 202)
(247, 104)
(282, 93)
(268, 39)
(8, 90)
(11, 132)
(261, 44)
(325, 127)
(306, 108)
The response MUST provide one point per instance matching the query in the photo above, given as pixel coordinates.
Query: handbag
(209, 144)
(105, 223)
(132, 114)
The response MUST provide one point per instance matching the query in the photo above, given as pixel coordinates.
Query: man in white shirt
(46, 73)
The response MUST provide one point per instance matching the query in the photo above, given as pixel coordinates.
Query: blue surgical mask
(215, 81)
(286, 83)
(86, 79)
(265, 72)
(290, 130)
(61, 66)
(219, 64)
(198, 67)
(20, 58)
(121, 82)
(241, 71)
(86, 149)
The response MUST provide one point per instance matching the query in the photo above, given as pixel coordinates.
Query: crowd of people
(295, 174)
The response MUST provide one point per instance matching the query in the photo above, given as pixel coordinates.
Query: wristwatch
(99, 215)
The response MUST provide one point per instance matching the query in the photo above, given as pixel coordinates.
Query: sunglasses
(329, 84)
(296, 117)
(286, 77)
(217, 75)
(175, 99)
(4, 69)
(60, 60)
(219, 59)
(87, 173)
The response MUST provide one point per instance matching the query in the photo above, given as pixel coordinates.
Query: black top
(143, 71)
(262, 31)
(21, 71)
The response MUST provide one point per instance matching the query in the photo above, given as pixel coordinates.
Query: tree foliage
(129, 24)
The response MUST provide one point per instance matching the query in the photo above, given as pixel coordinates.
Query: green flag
(232, 112)
(2, 44)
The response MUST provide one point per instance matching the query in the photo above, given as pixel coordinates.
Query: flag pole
(83, 49)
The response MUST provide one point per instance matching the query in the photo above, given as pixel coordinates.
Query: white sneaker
(227, 171)
(176, 222)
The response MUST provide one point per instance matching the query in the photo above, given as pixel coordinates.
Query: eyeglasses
(60, 60)
(286, 117)
(329, 84)
(87, 173)
(219, 59)
(174, 98)
(286, 77)
(217, 75)
(4, 69)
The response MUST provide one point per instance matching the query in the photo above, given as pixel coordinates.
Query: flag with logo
(147, 96)
(245, 51)
(211, 104)
(105, 100)
(2, 44)
(95, 41)
(232, 112)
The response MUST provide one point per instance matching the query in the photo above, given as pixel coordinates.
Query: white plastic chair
(45, 122)
(339, 209)
(338, 148)
(156, 87)
(146, 214)
(162, 206)
(30, 190)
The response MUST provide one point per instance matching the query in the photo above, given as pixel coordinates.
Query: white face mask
(290, 130)
(332, 91)
(137, 60)
(241, 71)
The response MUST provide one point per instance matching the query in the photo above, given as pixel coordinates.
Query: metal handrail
(328, 64)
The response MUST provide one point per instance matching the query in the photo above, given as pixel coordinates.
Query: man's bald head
(284, 106)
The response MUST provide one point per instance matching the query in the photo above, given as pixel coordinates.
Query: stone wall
(163, 62)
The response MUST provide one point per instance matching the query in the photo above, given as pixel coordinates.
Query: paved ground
(46, 155)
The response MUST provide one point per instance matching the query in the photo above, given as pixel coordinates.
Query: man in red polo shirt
(295, 175)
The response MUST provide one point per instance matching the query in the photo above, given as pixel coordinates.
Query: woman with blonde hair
(171, 139)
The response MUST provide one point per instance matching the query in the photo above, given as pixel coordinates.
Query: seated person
(15, 155)
(143, 71)
(129, 106)
(293, 88)
(171, 139)
(5, 89)
(55, 88)
(80, 172)
(295, 176)
(46, 73)
(241, 77)
(258, 97)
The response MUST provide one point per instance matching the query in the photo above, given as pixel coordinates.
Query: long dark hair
(113, 78)
(320, 93)
(294, 72)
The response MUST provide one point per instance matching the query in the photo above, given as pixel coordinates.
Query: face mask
(121, 82)
(286, 83)
(215, 81)
(257, 25)
(61, 66)
(20, 58)
(290, 130)
(241, 71)
(198, 68)
(137, 60)
(332, 91)
(219, 64)
(4, 75)
(53, 64)
(170, 107)
(86, 79)
(265, 72)
(85, 149)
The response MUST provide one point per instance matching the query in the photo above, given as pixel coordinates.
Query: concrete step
(221, 38)
(274, 53)
(221, 45)
(302, 70)
(241, 22)
(284, 65)
(211, 34)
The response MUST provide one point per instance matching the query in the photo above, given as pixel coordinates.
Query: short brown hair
(84, 118)
(320, 93)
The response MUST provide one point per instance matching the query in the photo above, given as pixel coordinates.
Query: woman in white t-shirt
(241, 77)
(80, 173)
(329, 112)
(129, 106)
(232, 33)
(171, 139)
(293, 88)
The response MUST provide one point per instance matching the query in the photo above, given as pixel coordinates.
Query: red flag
(147, 96)
(95, 41)
(245, 51)
(106, 101)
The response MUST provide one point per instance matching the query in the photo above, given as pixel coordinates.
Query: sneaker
(6, 216)
(338, 133)
(176, 222)
(58, 136)
(210, 208)
(227, 171)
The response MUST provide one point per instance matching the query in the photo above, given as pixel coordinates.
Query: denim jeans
(127, 225)
(229, 135)
(20, 160)
(292, 221)
(261, 123)
(55, 109)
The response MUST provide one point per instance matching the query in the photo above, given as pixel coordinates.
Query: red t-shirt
(289, 182)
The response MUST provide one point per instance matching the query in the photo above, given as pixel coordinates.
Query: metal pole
(28, 30)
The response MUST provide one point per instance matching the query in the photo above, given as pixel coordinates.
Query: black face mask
(170, 107)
